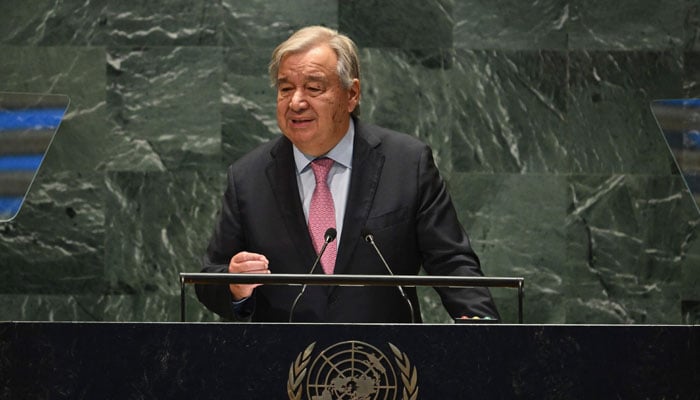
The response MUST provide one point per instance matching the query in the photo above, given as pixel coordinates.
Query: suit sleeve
(227, 240)
(444, 245)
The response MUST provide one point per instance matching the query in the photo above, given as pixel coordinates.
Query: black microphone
(328, 237)
(369, 238)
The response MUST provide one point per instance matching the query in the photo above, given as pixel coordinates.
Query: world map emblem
(352, 370)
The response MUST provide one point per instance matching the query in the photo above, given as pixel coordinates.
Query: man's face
(313, 107)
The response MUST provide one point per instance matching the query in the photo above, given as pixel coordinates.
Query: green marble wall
(538, 113)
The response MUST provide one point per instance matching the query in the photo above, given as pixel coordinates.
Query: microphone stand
(369, 238)
(329, 236)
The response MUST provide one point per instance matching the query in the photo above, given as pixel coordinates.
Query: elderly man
(330, 170)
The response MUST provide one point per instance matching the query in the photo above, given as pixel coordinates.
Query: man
(356, 178)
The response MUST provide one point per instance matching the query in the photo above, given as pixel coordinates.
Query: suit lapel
(281, 173)
(367, 165)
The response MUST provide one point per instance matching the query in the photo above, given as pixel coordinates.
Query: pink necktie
(322, 213)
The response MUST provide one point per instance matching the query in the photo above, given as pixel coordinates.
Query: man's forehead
(307, 71)
(302, 76)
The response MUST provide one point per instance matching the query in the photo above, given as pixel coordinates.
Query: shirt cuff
(243, 308)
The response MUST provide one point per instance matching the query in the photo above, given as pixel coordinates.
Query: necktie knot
(321, 167)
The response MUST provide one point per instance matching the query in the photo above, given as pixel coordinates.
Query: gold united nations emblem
(352, 370)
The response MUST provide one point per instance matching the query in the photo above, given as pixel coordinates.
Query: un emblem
(352, 370)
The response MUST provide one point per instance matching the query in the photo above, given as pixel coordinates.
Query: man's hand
(247, 263)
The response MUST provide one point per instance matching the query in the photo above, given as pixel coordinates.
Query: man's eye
(314, 89)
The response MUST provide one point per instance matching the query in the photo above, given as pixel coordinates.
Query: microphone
(328, 237)
(369, 238)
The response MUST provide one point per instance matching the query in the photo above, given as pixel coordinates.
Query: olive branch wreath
(409, 376)
(297, 372)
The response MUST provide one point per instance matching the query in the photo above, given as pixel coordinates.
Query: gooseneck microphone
(328, 237)
(369, 238)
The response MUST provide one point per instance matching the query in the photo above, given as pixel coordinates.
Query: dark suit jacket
(395, 192)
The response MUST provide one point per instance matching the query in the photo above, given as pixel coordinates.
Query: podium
(306, 361)
(315, 361)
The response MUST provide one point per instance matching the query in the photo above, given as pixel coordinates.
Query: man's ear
(353, 95)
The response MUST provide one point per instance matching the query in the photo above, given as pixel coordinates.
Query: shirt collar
(341, 153)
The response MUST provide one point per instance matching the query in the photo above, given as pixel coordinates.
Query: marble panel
(626, 24)
(82, 140)
(100, 22)
(56, 243)
(159, 226)
(690, 278)
(248, 103)
(627, 239)
(253, 24)
(426, 24)
(164, 103)
(431, 308)
(42, 307)
(511, 24)
(515, 223)
(410, 92)
(691, 74)
(162, 23)
(611, 128)
(691, 312)
(692, 26)
(508, 111)
(151, 307)
(49, 22)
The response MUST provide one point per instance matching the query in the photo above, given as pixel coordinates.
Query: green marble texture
(509, 111)
(253, 24)
(424, 24)
(611, 127)
(55, 244)
(511, 24)
(627, 24)
(165, 103)
(537, 112)
(515, 223)
(104, 23)
(248, 103)
(628, 240)
(413, 84)
(691, 74)
(159, 223)
(692, 26)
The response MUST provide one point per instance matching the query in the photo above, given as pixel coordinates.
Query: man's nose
(298, 101)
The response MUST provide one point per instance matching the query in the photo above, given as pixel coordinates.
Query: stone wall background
(538, 114)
